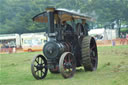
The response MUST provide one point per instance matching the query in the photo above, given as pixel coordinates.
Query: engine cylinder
(54, 49)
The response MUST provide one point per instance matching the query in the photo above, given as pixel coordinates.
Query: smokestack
(50, 11)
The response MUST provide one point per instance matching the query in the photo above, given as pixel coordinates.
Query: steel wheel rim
(68, 65)
(93, 54)
(39, 67)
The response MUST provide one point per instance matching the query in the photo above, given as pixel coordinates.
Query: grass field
(112, 70)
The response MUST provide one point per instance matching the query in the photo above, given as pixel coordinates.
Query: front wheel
(67, 65)
(39, 67)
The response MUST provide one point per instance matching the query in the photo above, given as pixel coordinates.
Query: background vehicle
(9, 43)
(68, 46)
(103, 34)
(13, 40)
(33, 41)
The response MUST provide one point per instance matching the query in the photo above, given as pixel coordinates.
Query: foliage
(124, 30)
(16, 15)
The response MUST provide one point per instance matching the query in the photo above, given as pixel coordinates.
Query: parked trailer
(32, 41)
(9, 41)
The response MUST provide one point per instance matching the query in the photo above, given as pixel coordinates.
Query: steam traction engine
(65, 49)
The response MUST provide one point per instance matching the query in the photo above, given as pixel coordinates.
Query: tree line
(16, 15)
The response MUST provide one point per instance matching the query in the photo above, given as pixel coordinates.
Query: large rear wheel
(89, 54)
(39, 67)
(67, 65)
(80, 32)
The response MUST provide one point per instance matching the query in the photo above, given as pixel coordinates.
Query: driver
(67, 26)
(86, 26)
(69, 32)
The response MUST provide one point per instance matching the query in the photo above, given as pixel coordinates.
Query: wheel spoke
(69, 60)
(36, 71)
(41, 61)
(69, 69)
(42, 73)
(37, 62)
(44, 67)
(35, 66)
(43, 64)
(65, 61)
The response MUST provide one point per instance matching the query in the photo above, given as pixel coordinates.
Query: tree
(16, 15)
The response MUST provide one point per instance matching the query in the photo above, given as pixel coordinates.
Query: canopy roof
(62, 15)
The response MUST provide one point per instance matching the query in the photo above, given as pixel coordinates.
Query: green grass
(112, 70)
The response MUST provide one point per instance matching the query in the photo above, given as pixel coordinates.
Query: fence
(119, 41)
